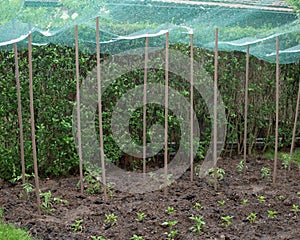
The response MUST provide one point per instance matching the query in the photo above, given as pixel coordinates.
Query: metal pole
(295, 126)
(246, 108)
(78, 109)
(35, 164)
(17, 73)
(145, 106)
(191, 105)
(277, 111)
(103, 170)
(215, 111)
(166, 111)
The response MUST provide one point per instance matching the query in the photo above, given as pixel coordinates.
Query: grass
(281, 155)
(9, 232)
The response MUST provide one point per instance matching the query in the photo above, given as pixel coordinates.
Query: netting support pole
(191, 106)
(166, 112)
(277, 112)
(215, 111)
(145, 106)
(103, 170)
(295, 127)
(246, 108)
(78, 108)
(34, 152)
(17, 73)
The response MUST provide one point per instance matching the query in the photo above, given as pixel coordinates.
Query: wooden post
(78, 108)
(145, 106)
(103, 170)
(246, 109)
(35, 164)
(166, 112)
(277, 111)
(192, 106)
(215, 111)
(17, 73)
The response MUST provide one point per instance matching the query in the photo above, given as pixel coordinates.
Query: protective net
(125, 23)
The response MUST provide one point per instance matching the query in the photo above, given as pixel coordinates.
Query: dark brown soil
(182, 196)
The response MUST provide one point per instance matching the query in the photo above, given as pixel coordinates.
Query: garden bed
(237, 198)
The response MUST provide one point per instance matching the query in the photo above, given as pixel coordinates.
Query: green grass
(9, 232)
(281, 155)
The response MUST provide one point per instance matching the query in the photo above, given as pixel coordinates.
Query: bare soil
(182, 196)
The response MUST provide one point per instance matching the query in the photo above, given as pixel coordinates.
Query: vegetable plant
(198, 207)
(77, 226)
(244, 201)
(172, 233)
(221, 203)
(140, 216)
(170, 210)
(227, 219)
(252, 217)
(198, 227)
(265, 172)
(110, 219)
(272, 214)
(261, 198)
(240, 166)
(295, 209)
(46, 205)
(98, 238)
(28, 187)
(136, 237)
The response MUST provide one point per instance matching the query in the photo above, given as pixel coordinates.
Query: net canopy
(124, 24)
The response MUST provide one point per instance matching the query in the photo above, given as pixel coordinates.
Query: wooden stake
(103, 170)
(215, 111)
(246, 109)
(277, 111)
(192, 106)
(78, 108)
(17, 73)
(145, 106)
(35, 163)
(166, 112)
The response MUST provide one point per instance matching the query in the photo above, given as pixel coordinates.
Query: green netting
(125, 23)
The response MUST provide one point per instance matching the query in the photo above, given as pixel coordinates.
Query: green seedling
(272, 214)
(244, 201)
(252, 217)
(240, 166)
(46, 205)
(198, 207)
(227, 219)
(221, 203)
(98, 238)
(136, 237)
(298, 193)
(285, 160)
(77, 227)
(28, 188)
(295, 209)
(172, 233)
(265, 172)
(261, 199)
(110, 219)
(220, 173)
(198, 227)
(170, 210)
(140, 217)
(281, 197)
(60, 200)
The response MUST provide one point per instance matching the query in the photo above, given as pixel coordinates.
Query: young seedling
(221, 203)
(60, 200)
(281, 197)
(261, 199)
(198, 207)
(172, 233)
(252, 217)
(265, 172)
(295, 209)
(170, 210)
(140, 217)
(77, 227)
(98, 238)
(227, 219)
(220, 173)
(272, 214)
(46, 205)
(244, 201)
(198, 227)
(240, 166)
(110, 219)
(28, 187)
(136, 237)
